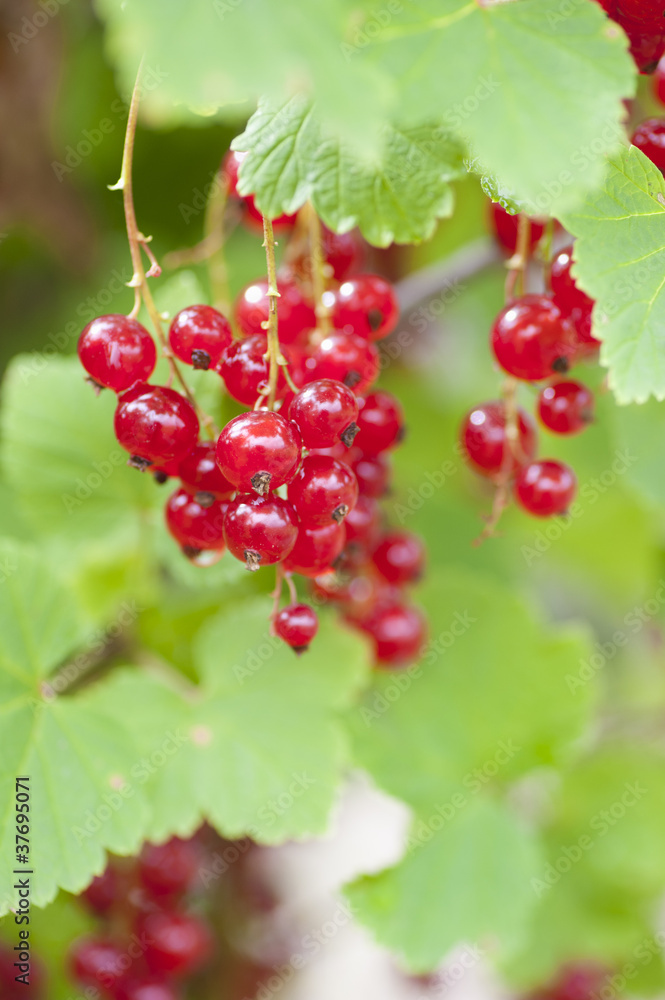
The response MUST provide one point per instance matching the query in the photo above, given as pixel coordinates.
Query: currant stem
(518, 262)
(275, 357)
(137, 240)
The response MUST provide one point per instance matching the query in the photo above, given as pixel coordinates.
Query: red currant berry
(363, 525)
(170, 868)
(579, 981)
(380, 423)
(95, 960)
(323, 489)
(646, 46)
(155, 424)
(400, 557)
(245, 369)
(147, 988)
(531, 339)
(483, 438)
(202, 477)
(372, 473)
(571, 300)
(117, 351)
(259, 451)
(316, 549)
(260, 531)
(545, 488)
(325, 412)
(198, 335)
(650, 13)
(398, 633)
(294, 314)
(505, 227)
(102, 892)
(196, 528)
(176, 943)
(650, 138)
(565, 407)
(297, 625)
(366, 305)
(345, 358)
(230, 168)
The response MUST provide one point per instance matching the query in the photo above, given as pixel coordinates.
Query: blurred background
(64, 259)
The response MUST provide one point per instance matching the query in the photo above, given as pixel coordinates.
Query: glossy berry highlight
(297, 625)
(532, 340)
(155, 424)
(323, 490)
(199, 335)
(546, 488)
(566, 407)
(366, 305)
(117, 352)
(483, 438)
(346, 358)
(259, 451)
(317, 548)
(196, 528)
(380, 423)
(400, 557)
(325, 413)
(260, 531)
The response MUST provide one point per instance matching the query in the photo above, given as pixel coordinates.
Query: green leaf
(468, 882)
(535, 90)
(395, 199)
(256, 749)
(489, 701)
(640, 432)
(78, 760)
(620, 262)
(61, 457)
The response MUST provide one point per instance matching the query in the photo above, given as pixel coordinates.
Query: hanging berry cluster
(294, 481)
(536, 338)
(149, 938)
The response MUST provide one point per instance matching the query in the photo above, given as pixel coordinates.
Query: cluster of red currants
(535, 338)
(644, 23)
(295, 480)
(150, 939)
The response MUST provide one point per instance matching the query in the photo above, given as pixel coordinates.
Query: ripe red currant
(245, 369)
(259, 451)
(505, 227)
(117, 351)
(202, 477)
(400, 557)
(365, 304)
(294, 313)
(147, 988)
(649, 13)
(196, 528)
(176, 943)
(168, 869)
(102, 892)
(649, 136)
(322, 490)
(316, 549)
(297, 624)
(325, 412)
(398, 632)
(546, 488)
(345, 358)
(198, 335)
(94, 960)
(372, 473)
(260, 531)
(531, 339)
(572, 301)
(363, 525)
(483, 438)
(380, 422)
(565, 407)
(155, 424)
(230, 168)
